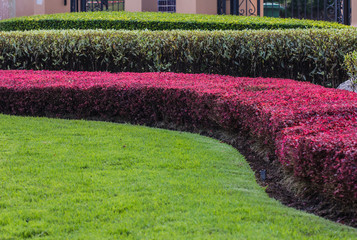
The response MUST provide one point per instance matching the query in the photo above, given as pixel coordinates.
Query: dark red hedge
(313, 130)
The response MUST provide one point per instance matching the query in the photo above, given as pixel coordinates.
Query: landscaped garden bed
(311, 129)
(306, 132)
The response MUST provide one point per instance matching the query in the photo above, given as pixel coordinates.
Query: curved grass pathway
(64, 179)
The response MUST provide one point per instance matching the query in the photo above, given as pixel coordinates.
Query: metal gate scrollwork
(96, 5)
(239, 7)
(327, 10)
(245, 10)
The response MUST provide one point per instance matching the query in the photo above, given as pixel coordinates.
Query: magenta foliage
(312, 129)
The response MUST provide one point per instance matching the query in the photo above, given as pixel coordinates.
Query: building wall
(17, 8)
(57, 6)
(134, 5)
(39, 7)
(35, 7)
(140, 5)
(186, 6)
(148, 5)
(228, 7)
(4, 9)
(7, 9)
(206, 6)
(25, 8)
(354, 12)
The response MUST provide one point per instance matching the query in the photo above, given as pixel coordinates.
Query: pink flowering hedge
(311, 129)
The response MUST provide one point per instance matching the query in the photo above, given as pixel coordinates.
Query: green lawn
(64, 179)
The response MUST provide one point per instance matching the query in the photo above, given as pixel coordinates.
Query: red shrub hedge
(323, 150)
(313, 129)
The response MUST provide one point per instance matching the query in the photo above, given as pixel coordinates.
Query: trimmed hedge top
(314, 55)
(156, 21)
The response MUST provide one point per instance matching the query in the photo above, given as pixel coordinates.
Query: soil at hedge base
(274, 183)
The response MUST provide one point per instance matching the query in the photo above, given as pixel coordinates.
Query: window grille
(166, 6)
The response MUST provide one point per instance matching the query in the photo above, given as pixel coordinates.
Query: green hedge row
(156, 21)
(312, 55)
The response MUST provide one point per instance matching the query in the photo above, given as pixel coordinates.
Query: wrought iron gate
(97, 5)
(327, 10)
(239, 7)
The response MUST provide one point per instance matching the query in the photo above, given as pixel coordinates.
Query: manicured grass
(64, 179)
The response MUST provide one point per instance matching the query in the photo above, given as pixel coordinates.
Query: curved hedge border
(156, 21)
(309, 55)
(313, 130)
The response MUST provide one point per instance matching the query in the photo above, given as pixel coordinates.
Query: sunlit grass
(64, 179)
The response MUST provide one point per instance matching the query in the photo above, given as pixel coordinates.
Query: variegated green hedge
(351, 64)
(312, 55)
(156, 21)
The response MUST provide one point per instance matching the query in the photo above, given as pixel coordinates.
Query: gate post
(221, 7)
(347, 12)
(73, 6)
(83, 5)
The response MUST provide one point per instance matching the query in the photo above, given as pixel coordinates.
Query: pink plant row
(311, 129)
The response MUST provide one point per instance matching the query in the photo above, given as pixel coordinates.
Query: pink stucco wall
(34, 7)
(4, 9)
(57, 6)
(206, 6)
(149, 5)
(354, 12)
(25, 7)
(186, 6)
(39, 7)
(8, 8)
(133, 5)
(18, 8)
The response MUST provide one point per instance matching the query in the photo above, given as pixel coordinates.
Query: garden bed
(310, 130)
